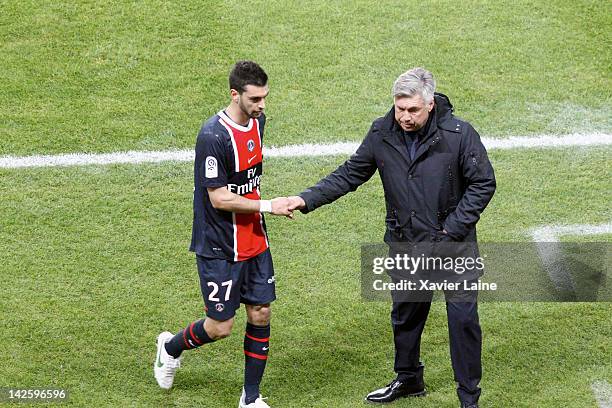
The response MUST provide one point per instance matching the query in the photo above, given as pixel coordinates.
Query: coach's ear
(430, 105)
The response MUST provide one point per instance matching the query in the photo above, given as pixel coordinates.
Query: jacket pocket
(394, 228)
(398, 225)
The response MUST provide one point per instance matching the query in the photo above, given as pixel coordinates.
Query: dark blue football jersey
(230, 155)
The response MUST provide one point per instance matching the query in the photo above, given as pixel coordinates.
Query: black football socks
(256, 345)
(190, 337)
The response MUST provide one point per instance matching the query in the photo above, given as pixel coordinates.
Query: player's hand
(296, 203)
(281, 206)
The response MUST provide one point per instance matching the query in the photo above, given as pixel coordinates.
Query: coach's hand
(281, 206)
(296, 203)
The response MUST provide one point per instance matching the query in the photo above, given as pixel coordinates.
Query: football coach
(437, 180)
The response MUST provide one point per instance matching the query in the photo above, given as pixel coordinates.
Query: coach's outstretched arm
(346, 178)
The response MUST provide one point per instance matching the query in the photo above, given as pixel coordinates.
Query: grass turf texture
(95, 265)
(90, 76)
(94, 260)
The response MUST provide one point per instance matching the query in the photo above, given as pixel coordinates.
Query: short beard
(244, 110)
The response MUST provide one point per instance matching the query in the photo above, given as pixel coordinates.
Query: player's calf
(256, 347)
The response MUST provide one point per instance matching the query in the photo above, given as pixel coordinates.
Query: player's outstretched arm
(223, 199)
(281, 206)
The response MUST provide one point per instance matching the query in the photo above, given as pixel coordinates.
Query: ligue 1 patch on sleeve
(211, 167)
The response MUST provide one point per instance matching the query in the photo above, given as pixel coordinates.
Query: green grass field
(94, 259)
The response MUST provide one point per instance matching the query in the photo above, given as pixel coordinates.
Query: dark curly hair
(247, 73)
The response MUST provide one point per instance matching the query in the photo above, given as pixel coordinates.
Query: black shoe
(397, 389)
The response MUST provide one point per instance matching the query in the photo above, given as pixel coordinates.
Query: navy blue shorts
(225, 284)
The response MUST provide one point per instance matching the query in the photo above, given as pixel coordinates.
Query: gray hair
(415, 81)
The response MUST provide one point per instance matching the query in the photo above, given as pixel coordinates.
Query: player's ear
(235, 95)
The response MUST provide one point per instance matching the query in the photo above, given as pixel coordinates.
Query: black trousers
(408, 320)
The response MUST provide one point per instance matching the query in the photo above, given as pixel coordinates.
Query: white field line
(302, 150)
(603, 393)
(576, 139)
(550, 253)
(551, 233)
(550, 250)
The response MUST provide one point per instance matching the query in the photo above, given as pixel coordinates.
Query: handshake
(286, 205)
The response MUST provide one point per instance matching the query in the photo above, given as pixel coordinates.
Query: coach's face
(411, 112)
(252, 101)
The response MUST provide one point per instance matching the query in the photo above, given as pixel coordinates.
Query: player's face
(252, 101)
(411, 112)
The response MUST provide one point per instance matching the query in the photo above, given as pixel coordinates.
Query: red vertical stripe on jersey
(249, 236)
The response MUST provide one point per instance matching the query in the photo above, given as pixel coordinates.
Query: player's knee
(259, 315)
(217, 330)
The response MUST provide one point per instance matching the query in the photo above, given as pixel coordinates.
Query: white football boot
(165, 365)
(259, 402)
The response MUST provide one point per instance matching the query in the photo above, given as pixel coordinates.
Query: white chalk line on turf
(551, 255)
(551, 251)
(603, 393)
(302, 150)
(551, 233)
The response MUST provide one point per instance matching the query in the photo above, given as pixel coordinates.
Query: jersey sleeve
(212, 160)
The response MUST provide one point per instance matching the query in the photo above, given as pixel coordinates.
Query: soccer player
(229, 234)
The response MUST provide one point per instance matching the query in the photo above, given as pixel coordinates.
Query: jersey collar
(233, 124)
